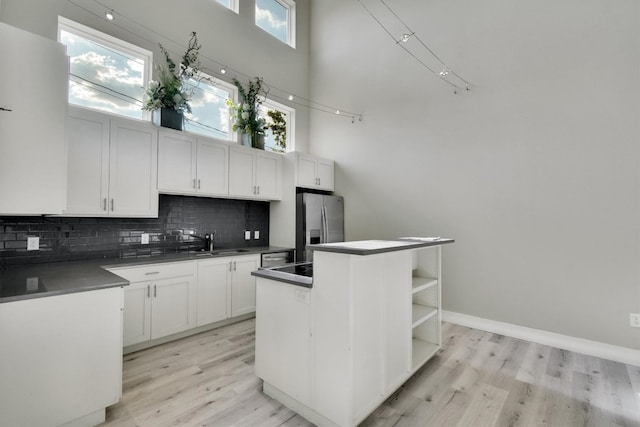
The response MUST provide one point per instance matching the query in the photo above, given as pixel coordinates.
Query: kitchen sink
(230, 251)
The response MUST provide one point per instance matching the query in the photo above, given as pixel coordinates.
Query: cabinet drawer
(155, 271)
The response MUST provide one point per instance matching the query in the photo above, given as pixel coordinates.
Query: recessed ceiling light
(109, 15)
(290, 98)
(223, 70)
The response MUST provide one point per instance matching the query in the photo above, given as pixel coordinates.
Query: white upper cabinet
(314, 172)
(112, 166)
(192, 166)
(254, 174)
(133, 169)
(213, 167)
(33, 107)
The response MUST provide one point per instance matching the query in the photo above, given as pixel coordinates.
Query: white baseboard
(625, 355)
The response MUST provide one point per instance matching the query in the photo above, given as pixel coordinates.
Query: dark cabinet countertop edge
(26, 282)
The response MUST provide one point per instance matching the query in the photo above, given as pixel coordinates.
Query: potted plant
(245, 116)
(170, 94)
(278, 127)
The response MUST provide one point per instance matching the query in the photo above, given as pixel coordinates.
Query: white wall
(228, 38)
(535, 172)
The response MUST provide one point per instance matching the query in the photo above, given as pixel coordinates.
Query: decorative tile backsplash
(181, 224)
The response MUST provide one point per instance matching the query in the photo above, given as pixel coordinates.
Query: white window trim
(233, 6)
(291, 121)
(290, 5)
(111, 42)
(233, 90)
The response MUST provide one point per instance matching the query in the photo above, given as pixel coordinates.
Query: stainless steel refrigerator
(319, 219)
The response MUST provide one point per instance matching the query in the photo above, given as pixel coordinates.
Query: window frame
(113, 43)
(290, 5)
(233, 90)
(290, 112)
(234, 5)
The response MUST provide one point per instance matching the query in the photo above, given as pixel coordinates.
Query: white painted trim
(625, 355)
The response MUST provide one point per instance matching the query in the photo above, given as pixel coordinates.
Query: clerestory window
(278, 18)
(105, 73)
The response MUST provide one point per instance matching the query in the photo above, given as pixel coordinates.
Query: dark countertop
(280, 276)
(371, 247)
(48, 279)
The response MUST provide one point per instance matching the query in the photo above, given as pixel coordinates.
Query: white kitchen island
(333, 352)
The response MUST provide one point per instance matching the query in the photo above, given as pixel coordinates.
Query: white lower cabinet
(243, 285)
(335, 352)
(226, 288)
(167, 298)
(160, 301)
(61, 360)
(213, 292)
(283, 338)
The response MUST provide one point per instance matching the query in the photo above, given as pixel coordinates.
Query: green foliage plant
(170, 90)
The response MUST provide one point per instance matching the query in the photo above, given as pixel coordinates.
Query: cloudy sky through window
(103, 78)
(271, 16)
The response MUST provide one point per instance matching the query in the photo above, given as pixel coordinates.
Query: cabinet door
(176, 163)
(137, 313)
(243, 286)
(213, 165)
(324, 172)
(306, 171)
(88, 163)
(173, 306)
(283, 338)
(33, 95)
(133, 169)
(241, 172)
(213, 277)
(268, 175)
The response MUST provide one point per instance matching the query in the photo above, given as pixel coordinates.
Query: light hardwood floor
(477, 379)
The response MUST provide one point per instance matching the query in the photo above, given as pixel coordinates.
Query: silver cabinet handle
(148, 291)
(258, 189)
(155, 291)
(234, 266)
(198, 184)
(318, 181)
(112, 205)
(151, 272)
(230, 266)
(194, 183)
(104, 204)
(6, 109)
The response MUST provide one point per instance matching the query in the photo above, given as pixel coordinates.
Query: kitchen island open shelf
(335, 351)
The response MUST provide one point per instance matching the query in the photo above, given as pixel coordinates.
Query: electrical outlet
(33, 243)
(32, 284)
(247, 235)
(634, 320)
(256, 234)
(144, 238)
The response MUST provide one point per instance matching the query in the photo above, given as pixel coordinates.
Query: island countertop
(57, 278)
(371, 247)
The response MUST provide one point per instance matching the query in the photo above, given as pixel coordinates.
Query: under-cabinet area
(165, 301)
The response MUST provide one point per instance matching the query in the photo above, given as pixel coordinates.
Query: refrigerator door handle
(325, 225)
(322, 230)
